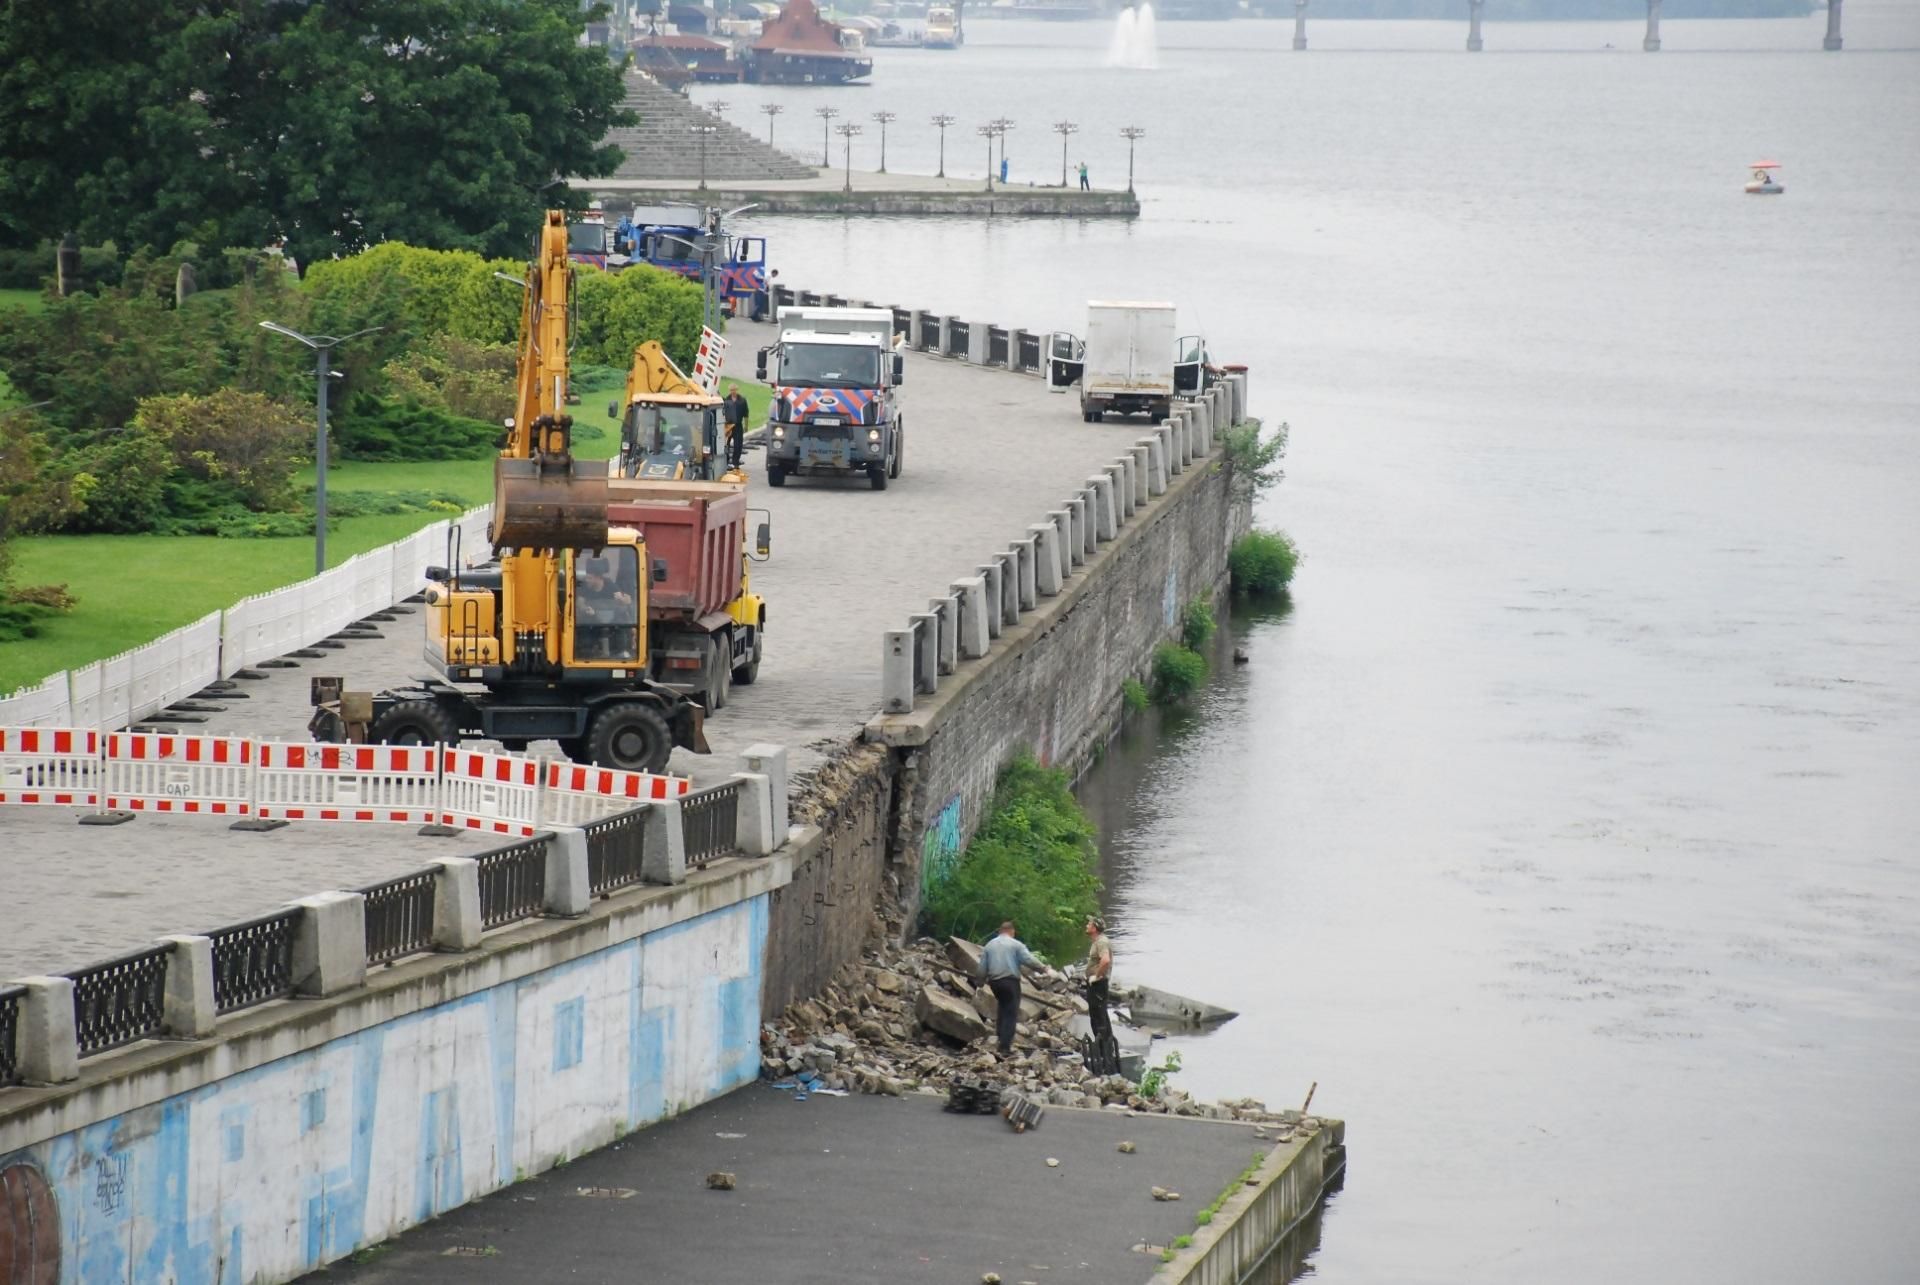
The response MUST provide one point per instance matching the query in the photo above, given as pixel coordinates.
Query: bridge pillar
(1299, 24)
(1832, 43)
(1652, 43)
(1473, 25)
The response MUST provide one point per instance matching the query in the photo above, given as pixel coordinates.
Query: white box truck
(1131, 361)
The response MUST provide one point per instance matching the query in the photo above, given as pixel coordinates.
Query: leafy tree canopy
(336, 125)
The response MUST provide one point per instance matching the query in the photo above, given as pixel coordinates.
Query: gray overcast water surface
(1564, 829)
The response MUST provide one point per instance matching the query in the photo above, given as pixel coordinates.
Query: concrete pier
(1832, 42)
(1652, 43)
(1299, 25)
(1473, 25)
(867, 192)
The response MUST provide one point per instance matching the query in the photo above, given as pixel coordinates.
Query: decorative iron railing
(1027, 358)
(11, 998)
(616, 847)
(120, 1000)
(999, 346)
(399, 916)
(710, 823)
(959, 338)
(513, 882)
(253, 961)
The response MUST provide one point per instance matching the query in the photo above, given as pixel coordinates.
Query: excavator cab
(606, 604)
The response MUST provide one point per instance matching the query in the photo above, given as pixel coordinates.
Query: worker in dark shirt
(735, 406)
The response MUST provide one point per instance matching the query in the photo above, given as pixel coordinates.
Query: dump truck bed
(698, 529)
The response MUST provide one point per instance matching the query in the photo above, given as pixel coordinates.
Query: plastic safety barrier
(49, 766)
(313, 782)
(146, 772)
(577, 794)
(496, 793)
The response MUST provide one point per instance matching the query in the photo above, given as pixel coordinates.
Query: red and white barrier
(497, 793)
(49, 767)
(320, 782)
(144, 772)
(577, 794)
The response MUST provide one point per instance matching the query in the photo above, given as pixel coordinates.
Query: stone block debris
(720, 1180)
(969, 1095)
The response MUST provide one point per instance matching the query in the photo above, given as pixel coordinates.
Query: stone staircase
(664, 146)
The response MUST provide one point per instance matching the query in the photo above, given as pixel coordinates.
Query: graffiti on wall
(940, 845)
(278, 1170)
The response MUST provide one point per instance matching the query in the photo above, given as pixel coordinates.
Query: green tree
(243, 444)
(619, 311)
(337, 126)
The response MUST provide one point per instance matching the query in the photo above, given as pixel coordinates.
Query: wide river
(1565, 826)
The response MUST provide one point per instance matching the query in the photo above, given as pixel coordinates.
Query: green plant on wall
(1178, 672)
(1263, 561)
(1254, 455)
(1197, 625)
(1133, 695)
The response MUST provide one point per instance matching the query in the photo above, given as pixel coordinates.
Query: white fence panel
(372, 581)
(411, 558)
(475, 548)
(47, 705)
(327, 604)
(115, 708)
(263, 627)
(85, 686)
(156, 672)
(199, 655)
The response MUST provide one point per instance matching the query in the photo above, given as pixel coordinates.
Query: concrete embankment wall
(303, 1131)
(1250, 1224)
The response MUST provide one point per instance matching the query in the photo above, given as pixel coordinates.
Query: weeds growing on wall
(1032, 861)
(1178, 672)
(1133, 696)
(1263, 561)
(1197, 625)
(1254, 455)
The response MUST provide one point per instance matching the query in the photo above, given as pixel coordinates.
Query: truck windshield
(587, 238)
(606, 596)
(673, 245)
(835, 365)
(661, 436)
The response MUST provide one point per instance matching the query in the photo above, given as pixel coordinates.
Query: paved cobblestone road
(987, 454)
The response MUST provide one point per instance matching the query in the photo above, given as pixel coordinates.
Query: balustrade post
(456, 904)
(1046, 558)
(188, 1008)
(330, 943)
(569, 889)
(770, 761)
(664, 860)
(46, 1041)
(753, 815)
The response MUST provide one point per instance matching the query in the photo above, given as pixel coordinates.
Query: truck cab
(836, 376)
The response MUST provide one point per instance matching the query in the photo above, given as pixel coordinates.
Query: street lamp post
(1066, 129)
(1132, 133)
(323, 346)
(772, 110)
(941, 122)
(826, 115)
(883, 118)
(849, 132)
(702, 132)
(1002, 126)
(719, 108)
(987, 132)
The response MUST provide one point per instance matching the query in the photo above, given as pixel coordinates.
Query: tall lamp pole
(702, 132)
(1133, 134)
(987, 132)
(1066, 129)
(323, 346)
(883, 118)
(826, 115)
(941, 122)
(849, 131)
(1002, 126)
(772, 110)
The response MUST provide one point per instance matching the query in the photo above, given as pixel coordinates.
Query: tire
(419, 722)
(899, 452)
(877, 477)
(1097, 416)
(514, 744)
(631, 737)
(1086, 417)
(574, 747)
(724, 677)
(749, 669)
(776, 476)
(719, 669)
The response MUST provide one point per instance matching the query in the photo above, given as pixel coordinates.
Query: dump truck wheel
(416, 723)
(633, 738)
(877, 477)
(574, 747)
(719, 669)
(749, 669)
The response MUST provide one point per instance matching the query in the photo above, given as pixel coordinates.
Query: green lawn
(133, 588)
(31, 300)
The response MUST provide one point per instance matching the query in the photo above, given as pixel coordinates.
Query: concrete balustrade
(1025, 550)
(896, 671)
(1142, 471)
(926, 642)
(1062, 542)
(770, 761)
(188, 1008)
(568, 891)
(1077, 529)
(948, 609)
(753, 832)
(1106, 517)
(456, 904)
(45, 1040)
(990, 598)
(1122, 490)
(1046, 558)
(974, 634)
(330, 943)
(1009, 564)
(663, 858)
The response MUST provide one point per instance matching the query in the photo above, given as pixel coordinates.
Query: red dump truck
(705, 623)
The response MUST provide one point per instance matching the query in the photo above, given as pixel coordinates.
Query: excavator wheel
(574, 747)
(630, 737)
(419, 722)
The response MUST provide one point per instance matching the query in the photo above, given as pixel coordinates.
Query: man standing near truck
(735, 405)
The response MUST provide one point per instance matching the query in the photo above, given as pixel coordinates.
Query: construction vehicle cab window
(845, 365)
(551, 640)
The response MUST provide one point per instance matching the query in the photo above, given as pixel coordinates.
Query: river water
(1563, 826)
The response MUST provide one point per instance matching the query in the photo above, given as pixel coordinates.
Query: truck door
(1066, 361)
(1189, 363)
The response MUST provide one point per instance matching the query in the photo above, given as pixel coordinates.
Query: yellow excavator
(554, 632)
(672, 484)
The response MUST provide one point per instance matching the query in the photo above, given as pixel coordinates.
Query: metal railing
(1027, 356)
(616, 847)
(399, 916)
(513, 882)
(710, 823)
(902, 321)
(959, 338)
(253, 961)
(929, 332)
(999, 345)
(120, 1000)
(11, 998)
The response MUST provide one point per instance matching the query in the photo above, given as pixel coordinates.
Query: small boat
(1763, 182)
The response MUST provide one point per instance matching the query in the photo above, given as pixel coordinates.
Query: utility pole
(1066, 129)
(941, 122)
(1133, 134)
(883, 118)
(702, 132)
(849, 131)
(772, 110)
(322, 346)
(826, 115)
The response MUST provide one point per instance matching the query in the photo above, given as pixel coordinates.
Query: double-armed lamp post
(849, 131)
(323, 346)
(772, 110)
(1066, 129)
(940, 123)
(883, 118)
(1133, 134)
(826, 115)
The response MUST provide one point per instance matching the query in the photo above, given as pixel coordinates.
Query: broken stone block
(964, 955)
(939, 1011)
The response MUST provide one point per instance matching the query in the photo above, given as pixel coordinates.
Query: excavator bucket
(539, 506)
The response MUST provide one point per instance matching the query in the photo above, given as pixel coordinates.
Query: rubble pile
(912, 1019)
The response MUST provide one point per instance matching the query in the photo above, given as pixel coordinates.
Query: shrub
(1177, 672)
(375, 428)
(243, 445)
(459, 376)
(119, 481)
(617, 312)
(1133, 695)
(1197, 625)
(1032, 862)
(1255, 458)
(1263, 561)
